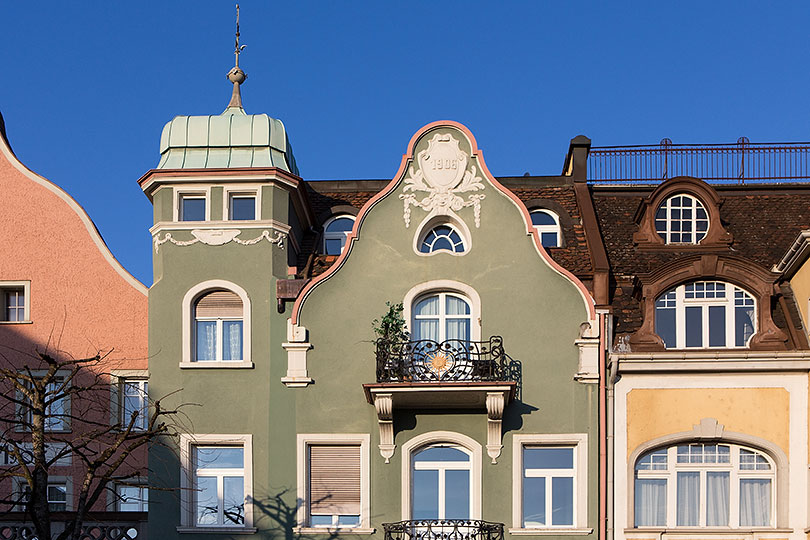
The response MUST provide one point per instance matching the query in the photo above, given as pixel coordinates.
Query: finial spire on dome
(236, 75)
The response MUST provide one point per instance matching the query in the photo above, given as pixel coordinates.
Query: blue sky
(88, 86)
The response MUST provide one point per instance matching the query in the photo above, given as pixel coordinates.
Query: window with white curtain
(705, 314)
(704, 485)
(441, 317)
(218, 327)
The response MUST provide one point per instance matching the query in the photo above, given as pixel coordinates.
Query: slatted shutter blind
(334, 479)
(219, 304)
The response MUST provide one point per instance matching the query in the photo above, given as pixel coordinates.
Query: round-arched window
(696, 484)
(547, 224)
(440, 317)
(442, 237)
(681, 219)
(335, 233)
(705, 314)
(441, 476)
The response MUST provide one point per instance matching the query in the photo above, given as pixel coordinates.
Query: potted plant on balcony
(392, 334)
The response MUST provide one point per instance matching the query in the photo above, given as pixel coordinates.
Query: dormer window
(335, 233)
(705, 314)
(547, 224)
(681, 219)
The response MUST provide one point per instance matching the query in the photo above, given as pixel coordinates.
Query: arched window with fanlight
(441, 316)
(335, 232)
(700, 484)
(441, 482)
(218, 327)
(442, 237)
(547, 224)
(705, 314)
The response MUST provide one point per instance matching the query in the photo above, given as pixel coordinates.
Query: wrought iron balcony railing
(443, 529)
(452, 360)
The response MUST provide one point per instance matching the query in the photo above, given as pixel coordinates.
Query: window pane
(542, 218)
(426, 329)
(441, 453)
(562, 501)
(534, 502)
(755, 502)
(320, 521)
(458, 329)
(743, 325)
(234, 495)
(334, 246)
(651, 502)
(206, 341)
(717, 326)
(665, 325)
(548, 239)
(349, 521)
(457, 495)
(694, 326)
(457, 306)
(688, 498)
(548, 458)
(243, 208)
(192, 209)
(343, 224)
(207, 502)
(425, 495)
(232, 340)
(717, 487)
(428, 306)
(219, 457)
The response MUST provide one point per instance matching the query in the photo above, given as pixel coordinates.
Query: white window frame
(188, 442)
(442, 316)
(729, 303)
(304, 440)
(735, 477)
(342, 236)
(555, 229)
(445, 286)
(5, 287)
(667, 235)
(577, 441)
(189, 326)
(20, 486)
(452, 228)
(230, 192)
(432, 438)
(65, 401)
(142, 500)
(441, 467)
(142, 421)
(193, 192)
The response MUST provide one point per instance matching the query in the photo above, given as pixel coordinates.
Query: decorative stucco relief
(219, 237)
(442, 173)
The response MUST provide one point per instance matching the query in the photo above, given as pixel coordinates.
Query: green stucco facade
(519, 295)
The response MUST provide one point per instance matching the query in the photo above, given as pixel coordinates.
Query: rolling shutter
(334, 479)
(219, 304)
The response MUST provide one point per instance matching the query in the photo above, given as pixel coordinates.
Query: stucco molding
(397, 179)
(219, 237)
(434, 219)
(436, 437)
(709, 429)
(90, 227)
(297, 345)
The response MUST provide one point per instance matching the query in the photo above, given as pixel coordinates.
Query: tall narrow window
(441, 483)
(13, 303)
(334, 485)
(547, 224)
(219, 484)
(549, 481)
(335, 233)
(218, 318)
(705, 314)
(441, 317)
(134, 399)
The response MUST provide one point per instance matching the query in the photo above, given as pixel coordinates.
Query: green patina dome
(229, 140)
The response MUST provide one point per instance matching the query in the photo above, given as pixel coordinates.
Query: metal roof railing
(741, 163)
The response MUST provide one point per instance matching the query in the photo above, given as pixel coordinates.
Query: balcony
(443, 529)
(449, 375)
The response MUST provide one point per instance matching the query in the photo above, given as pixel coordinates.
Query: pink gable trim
(586, 296)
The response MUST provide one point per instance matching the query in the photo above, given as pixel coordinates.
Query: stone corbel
(588, 345)
(384, 404)
(296, 347)
(495, 405)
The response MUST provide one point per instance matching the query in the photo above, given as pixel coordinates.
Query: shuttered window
(334, 484)
(219, 305)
